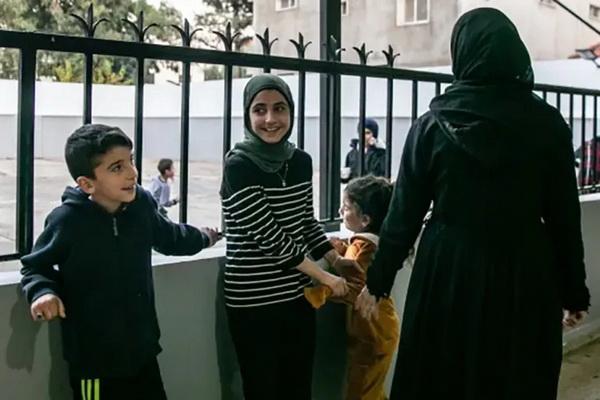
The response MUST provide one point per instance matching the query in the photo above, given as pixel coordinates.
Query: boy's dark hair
(164, 164)
(88, 143)
(372, 196)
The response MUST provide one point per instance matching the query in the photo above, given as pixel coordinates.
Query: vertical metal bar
(545, 95)
(228, 77)
(185, 142)
(595, 145)
(415, 101)
(388, 127)
(571, 116)
(301, 107)
(25, 151)
(139, 116)
(362, 114)
(329, 114)
(335, 146)
(438, 88)
(558, 104)
(88, 81)
(584, 161)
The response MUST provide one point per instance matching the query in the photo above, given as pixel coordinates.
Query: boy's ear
(365, 220)
(86, 184)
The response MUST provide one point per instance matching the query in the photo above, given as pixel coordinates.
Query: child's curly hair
(372, 196)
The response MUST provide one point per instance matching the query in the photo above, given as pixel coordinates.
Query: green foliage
(220, 12)
(53, 16)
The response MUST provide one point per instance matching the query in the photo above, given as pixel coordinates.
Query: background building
(420, 29)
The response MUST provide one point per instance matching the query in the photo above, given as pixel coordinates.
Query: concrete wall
(549, 32)
(198, 361)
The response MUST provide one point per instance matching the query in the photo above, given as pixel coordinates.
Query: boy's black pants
(146, 385)
(275, 345)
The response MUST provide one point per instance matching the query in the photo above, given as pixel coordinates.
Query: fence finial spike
(265, 42)
(390, 56)
(300, 45)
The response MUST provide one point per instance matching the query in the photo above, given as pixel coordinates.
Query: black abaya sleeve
(562, 217)
(410, 201)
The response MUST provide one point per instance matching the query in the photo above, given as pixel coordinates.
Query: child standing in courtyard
(92, 267)
(160, 187)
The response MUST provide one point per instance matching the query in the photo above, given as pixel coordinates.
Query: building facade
(420, 29)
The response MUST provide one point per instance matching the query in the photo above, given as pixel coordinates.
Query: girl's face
(270, 116)
(354, 220)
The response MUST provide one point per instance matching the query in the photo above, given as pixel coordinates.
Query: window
(344, 7)
(286, 4)
(595, 12)
(412, 11)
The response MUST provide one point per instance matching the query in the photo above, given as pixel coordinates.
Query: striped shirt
(270, 228)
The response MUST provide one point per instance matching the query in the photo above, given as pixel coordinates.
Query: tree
(53, 16)
(219, 13)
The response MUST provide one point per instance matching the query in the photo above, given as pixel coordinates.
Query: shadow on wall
(229, 371)
(20, 351)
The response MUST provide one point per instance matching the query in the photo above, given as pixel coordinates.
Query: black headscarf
(492, 91)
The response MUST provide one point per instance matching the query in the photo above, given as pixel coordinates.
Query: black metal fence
(330, 68)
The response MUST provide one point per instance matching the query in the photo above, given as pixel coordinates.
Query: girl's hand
(337, 284)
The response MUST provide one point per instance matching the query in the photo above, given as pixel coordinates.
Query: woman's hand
(572, 318)
(366, 304)
(47, 307)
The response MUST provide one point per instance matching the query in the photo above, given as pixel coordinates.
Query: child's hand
(366, 305)
(213, 235)
(47, 307)
(572, 318)
(338, 245)
(350, 270)
(337, 284)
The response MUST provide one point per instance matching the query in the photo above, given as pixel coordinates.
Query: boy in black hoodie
(101, 239)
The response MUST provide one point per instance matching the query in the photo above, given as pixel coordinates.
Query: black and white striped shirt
(270, 228)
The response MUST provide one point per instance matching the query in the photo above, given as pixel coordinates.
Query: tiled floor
(580, 375)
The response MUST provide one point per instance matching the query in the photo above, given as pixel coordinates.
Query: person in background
(374, 154)
(160, 187)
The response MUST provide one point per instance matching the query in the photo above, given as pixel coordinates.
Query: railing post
(25, 151)
(186, 38)
(329, 114)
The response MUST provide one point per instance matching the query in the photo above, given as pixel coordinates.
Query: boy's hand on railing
(213, 235)
(47, 307)
(572, 318)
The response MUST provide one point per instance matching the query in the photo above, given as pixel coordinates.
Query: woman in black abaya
(502, 256)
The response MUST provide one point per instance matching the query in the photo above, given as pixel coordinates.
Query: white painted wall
(198, 362)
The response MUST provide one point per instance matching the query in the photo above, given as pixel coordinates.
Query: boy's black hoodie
(104, 279)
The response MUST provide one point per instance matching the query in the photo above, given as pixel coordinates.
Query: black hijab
(492, 92)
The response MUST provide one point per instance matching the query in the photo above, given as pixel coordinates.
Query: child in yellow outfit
(371, 344)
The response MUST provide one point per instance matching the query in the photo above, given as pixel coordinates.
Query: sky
(187, 7)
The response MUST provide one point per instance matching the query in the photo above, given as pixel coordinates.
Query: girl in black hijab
(502, 258)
